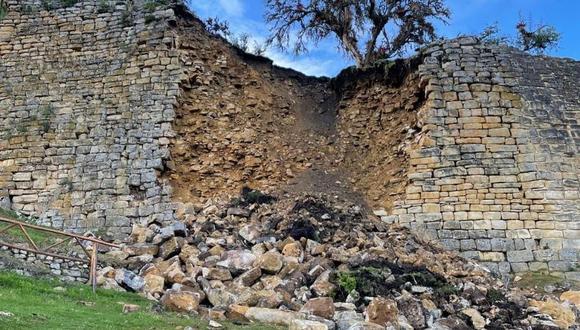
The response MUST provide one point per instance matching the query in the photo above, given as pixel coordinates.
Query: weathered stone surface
(476, 319)
(307, 325)
(382, 311)
(562, 315)
(273, 316)
(323, 307)
(129, 280)
(571, 296)
(153, 283)
(181, 301)
(271, 262)
(237, 261)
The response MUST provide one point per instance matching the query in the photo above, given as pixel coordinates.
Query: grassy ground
(37, 305)
(15, 235)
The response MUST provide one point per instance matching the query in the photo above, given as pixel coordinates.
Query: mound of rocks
(312, 262)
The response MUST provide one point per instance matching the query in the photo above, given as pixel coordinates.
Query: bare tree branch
(367, 30)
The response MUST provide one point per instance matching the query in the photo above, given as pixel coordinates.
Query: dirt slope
(244, 122)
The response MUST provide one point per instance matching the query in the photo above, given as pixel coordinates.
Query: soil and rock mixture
(243, 122)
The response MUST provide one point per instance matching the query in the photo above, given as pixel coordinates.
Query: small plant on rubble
(347, 281)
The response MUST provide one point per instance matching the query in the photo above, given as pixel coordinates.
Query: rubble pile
(314, 262)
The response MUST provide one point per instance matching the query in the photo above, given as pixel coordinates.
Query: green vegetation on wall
(3, 10)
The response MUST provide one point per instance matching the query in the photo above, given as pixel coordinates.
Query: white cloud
(305, 64)
(232, 7)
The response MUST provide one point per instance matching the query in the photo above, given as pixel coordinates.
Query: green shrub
(347, 281)
(104, 7)
(69, 3)
(149, 18)
(3, 10)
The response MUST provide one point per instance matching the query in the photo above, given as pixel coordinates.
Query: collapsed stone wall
(495, 172)
(87, 114)
(86, 104)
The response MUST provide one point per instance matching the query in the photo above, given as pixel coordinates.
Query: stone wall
(87, 97)
(87, 104)
(495, 172)
(32, 264)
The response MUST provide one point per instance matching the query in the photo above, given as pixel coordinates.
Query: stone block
(519, 267)
(561, 266)
(492, 256)
(519, 256)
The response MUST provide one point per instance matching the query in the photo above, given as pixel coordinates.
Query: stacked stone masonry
(87, 98)
(496, 172)
(28, 263)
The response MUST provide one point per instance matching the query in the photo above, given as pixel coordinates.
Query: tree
(220, 28)
(367, 30)
(538, 40)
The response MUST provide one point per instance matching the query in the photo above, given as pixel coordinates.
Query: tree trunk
(351, 47)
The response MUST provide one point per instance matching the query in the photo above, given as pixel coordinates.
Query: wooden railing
(90, 250)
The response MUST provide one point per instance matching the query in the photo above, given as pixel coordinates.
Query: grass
(15, 235)
(36, 305)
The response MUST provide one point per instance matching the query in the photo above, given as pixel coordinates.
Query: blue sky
(469, 17)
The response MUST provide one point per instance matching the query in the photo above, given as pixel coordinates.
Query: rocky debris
(571, 296)
(313, 262)
(562, 315)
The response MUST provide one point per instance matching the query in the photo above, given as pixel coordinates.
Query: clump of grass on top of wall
(3, 10)
(53, 4)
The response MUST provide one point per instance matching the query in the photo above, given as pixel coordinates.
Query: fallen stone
(142, 248)
(220, 274)
(153, 284)
(272, 316)
(169, 248)
(322, 286)
(562, 315)
(215, 325)
(180, 301)
(129, 308)
(362, 325)
(571, 296)
(250, 277)
(307, 325)
(450, 323)
(323, 307)
(412, 310)
(4, 314)
(250, 233)
(345, 319)
(271, 262)
(237, 261)
(476, 319)
(238, 212)
(382, 311)
(129, 280)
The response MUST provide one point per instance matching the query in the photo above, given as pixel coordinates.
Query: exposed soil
(243, 122)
